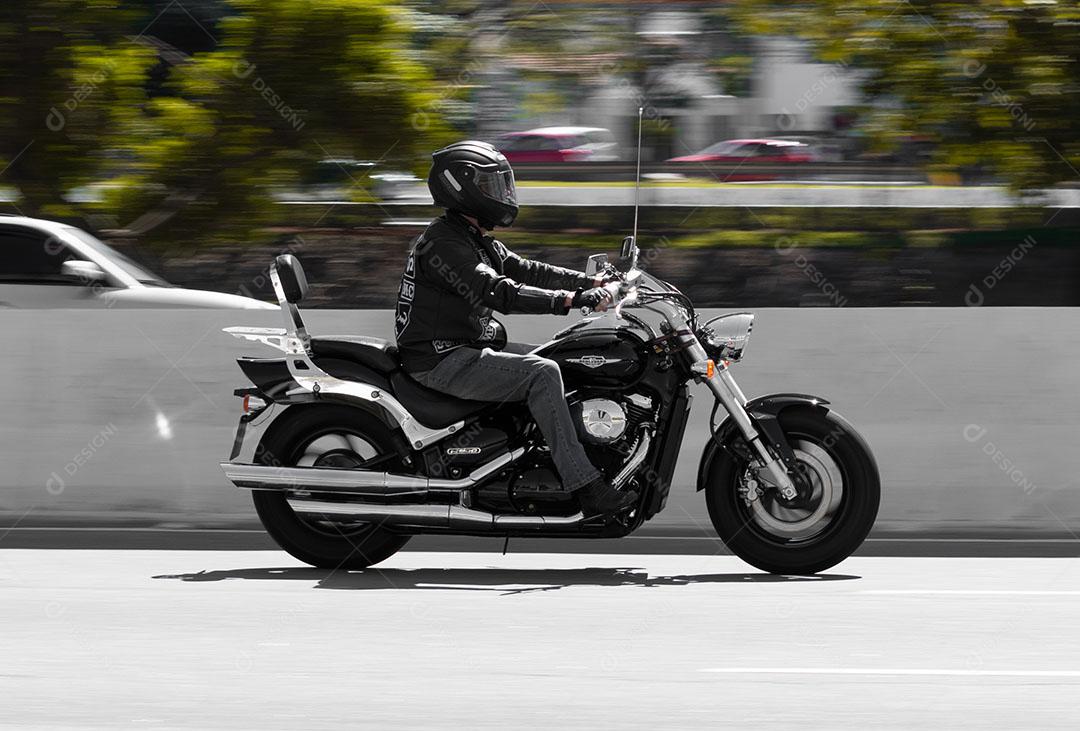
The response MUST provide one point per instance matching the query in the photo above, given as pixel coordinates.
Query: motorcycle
(363, 457)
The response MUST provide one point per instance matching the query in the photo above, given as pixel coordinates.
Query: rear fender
(764, 412)
(270, 375)
(275, 383)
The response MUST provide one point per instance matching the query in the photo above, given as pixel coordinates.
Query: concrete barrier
(122, 416)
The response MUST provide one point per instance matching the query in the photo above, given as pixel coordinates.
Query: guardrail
(122, 416)
(726, 171)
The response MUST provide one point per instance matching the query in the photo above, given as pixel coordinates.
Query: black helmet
(475, 179)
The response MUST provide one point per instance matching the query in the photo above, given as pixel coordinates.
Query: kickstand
(506, 544)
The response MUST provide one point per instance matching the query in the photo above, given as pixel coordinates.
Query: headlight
(725, 337)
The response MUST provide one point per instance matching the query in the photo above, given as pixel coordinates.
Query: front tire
(324, 436)
(820, 528)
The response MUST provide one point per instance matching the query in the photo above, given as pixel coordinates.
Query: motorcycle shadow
(505, 581)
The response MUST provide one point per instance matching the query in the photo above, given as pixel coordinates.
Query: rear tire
(819, 535)
(323, 544)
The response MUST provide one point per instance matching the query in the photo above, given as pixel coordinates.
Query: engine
(605, 421)
(609, 428)
(599, 420)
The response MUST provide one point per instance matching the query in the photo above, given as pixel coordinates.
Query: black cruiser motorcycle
(362, 457)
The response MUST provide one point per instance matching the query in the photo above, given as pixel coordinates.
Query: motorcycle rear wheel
(821, 527)
(324, 436)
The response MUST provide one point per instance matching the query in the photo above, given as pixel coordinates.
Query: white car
(45, 264)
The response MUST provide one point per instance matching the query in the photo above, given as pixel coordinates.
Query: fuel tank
(600, 358)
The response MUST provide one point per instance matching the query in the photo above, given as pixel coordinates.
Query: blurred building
(687, 105)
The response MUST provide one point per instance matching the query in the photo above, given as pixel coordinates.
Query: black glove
(591, 298)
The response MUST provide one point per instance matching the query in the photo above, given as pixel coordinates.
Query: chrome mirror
(628, 253)
(595, 264)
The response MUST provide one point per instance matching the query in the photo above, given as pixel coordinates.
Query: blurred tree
(289, 82)
(994, 83)
(70, 71)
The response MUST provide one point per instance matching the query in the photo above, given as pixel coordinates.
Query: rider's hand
(596, 299)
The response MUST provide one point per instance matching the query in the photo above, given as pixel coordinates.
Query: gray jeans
(513, 375)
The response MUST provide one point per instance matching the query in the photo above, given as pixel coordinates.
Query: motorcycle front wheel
(327, 436)
(824, 524)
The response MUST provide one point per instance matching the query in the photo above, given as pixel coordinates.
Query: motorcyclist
(456, 274)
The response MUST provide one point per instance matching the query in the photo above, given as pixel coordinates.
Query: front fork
(723, 386)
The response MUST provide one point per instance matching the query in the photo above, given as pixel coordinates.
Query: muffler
(355, 482)
(458, 517)
(447, 515)
(455, 517)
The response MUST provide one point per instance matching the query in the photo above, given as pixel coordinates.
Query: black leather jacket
(454, 277)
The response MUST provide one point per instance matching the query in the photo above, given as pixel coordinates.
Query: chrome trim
(356, 482)
(636, 458)
(725, 389)
(275, 337)
(728, 393)
(593, 361)
(293, 340)
(442, 516)
(727, 335)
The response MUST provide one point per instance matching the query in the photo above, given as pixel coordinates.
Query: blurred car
(45, 264)
(559, 144)
(339, 179)
(761, 150)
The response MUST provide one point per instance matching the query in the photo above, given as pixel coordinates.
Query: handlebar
(615, 289)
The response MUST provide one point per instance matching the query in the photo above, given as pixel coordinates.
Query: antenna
(637, 175)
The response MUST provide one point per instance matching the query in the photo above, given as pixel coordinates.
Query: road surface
(251, 639)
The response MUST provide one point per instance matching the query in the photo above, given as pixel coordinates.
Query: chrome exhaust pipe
(456, 517)
(355, 482)
(641, 450)
(459, 517)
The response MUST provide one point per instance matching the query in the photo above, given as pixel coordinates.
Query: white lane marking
(970, 540)
(713, 539)
(972, 592)
(957, 672)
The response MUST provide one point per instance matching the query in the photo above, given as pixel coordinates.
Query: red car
(559, 144)
(752, 151)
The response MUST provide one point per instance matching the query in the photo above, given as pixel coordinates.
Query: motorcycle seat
(375, 353)
(431, 408)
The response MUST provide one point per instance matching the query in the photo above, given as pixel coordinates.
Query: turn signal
(253, 403)
(704, 368)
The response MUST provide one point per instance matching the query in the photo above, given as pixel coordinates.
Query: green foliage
(200, 137)
(995, 82)
(288, 83)
(70, 76)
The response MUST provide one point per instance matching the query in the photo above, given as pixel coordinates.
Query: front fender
(761, 409)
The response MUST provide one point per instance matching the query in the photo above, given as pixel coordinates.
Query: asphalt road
(207, 639)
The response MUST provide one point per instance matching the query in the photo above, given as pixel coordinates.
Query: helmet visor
(497, 185)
